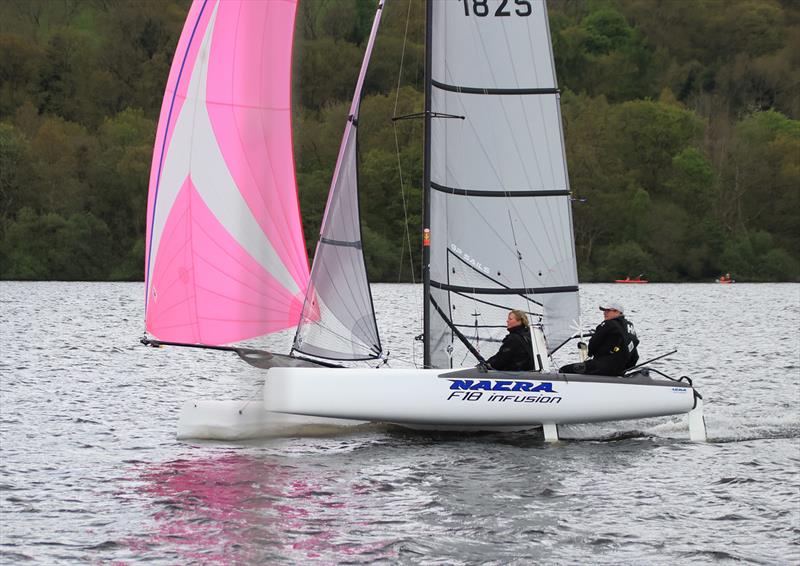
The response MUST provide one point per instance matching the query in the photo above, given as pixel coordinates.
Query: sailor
(612, 347)
(516, 352)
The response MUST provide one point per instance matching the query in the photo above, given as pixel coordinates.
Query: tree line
(680, 118)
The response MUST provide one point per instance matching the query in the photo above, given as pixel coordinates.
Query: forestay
(500, 219)
(338, 320)
(225, 252)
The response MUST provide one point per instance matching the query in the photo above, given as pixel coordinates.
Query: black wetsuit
(612, 349)
(516, 352)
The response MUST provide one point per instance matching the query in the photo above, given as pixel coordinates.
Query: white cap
(612, 307)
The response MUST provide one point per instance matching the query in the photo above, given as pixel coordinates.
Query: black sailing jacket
(516, 352)
(613, 347)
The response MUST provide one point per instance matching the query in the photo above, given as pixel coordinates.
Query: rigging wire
(400, 173)
(519, 261)
(524, 285)
(399, 163)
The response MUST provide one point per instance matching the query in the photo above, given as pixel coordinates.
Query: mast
(426, 191)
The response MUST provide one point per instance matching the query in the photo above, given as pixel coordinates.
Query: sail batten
(499, 192)
(504, 290)
(493, 91)
(344, 243)
(501, 168)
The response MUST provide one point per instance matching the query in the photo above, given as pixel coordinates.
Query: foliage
(680, 118)
(762, 174)
(621, 260)
(73, 248)
(754, 257)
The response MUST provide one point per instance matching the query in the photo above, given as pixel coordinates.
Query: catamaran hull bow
(471, 397)
(243, 420)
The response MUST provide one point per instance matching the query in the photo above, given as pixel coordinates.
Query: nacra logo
(498, 385)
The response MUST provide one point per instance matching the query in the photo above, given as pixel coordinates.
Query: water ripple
(91, 471)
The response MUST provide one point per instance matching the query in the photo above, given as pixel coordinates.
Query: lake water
(91, 471)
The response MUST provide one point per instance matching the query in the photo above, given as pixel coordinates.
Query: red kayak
(629, 280)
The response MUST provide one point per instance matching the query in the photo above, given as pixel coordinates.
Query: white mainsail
(500, 220)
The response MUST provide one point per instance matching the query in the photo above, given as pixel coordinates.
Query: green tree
(118, 172)
(680, 124)
(49, 246)
(138, 43)
(326, 71)
(15, 170)
(762, 178)
(606, 30)
(647, 136)
(60, 152)
(604, 54)
(68, 59)
(752, 256)
(19, 70)
(691, 183)
(623, 260)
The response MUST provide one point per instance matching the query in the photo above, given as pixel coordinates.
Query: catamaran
(226, 260)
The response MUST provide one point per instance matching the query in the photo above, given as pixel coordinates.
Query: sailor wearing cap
(612, 347)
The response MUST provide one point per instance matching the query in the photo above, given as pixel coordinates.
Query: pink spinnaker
(225, 253)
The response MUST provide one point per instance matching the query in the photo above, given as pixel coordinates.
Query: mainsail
(499, 204)
(338, 320)
(225, 254)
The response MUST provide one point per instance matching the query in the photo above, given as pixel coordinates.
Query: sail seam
(326, 357)
(505, 291)
(495, 305)
(498, 193)
(354, 244)
(492, 91)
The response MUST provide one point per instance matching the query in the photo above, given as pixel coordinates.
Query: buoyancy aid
(516, 352)
(613, 347)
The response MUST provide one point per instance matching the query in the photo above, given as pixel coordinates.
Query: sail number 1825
(481, 9)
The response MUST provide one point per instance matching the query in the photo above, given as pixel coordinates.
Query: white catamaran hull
(318, 401)
(242, 420)
(470, 397)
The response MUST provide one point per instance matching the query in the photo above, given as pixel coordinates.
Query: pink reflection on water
(234, 508)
